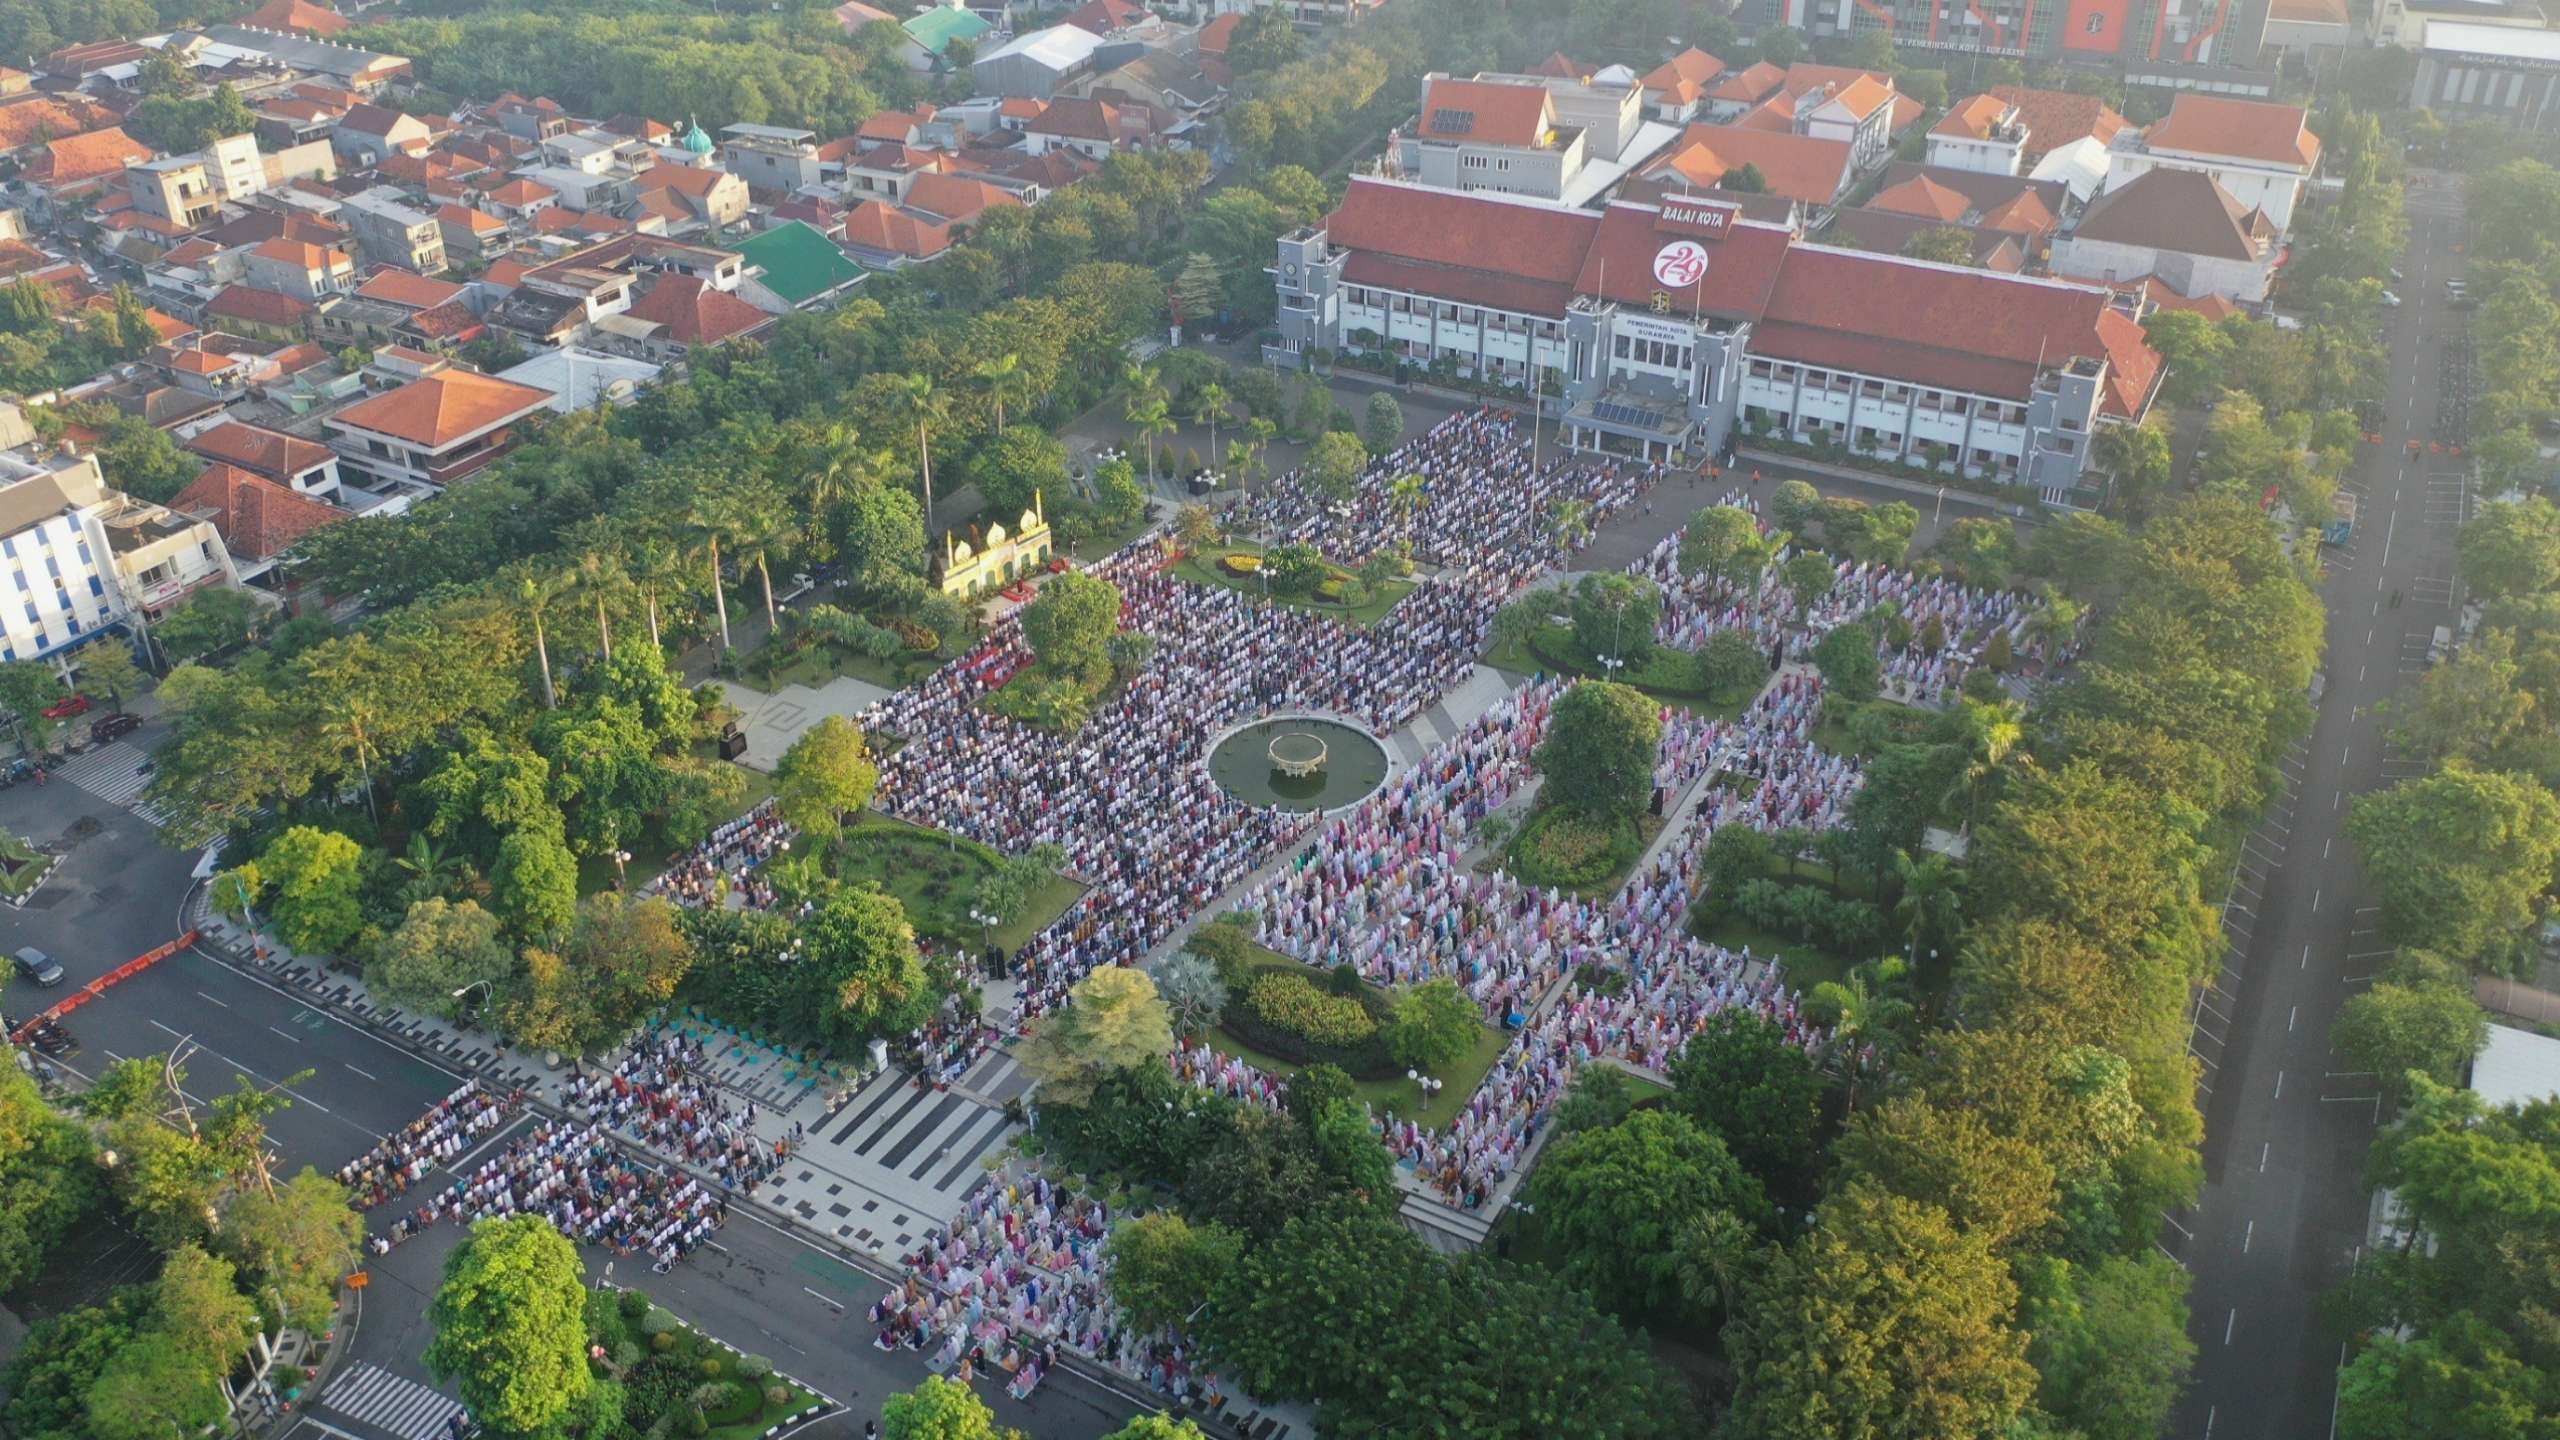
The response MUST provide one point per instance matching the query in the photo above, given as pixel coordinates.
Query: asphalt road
(2286, 1128)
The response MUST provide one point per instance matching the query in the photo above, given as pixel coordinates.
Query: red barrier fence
(102, 985)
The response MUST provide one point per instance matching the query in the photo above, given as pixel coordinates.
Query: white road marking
(2248, 1235)
(2279, 1084)
(2290, 1016)
(2229, 1324)
(203, 996)
(366, 1074)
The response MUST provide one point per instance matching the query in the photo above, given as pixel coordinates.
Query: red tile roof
(294, 359)
(1078, 117)
(1447, 231)
(696, 314)
(956, 199)
(898, 125)
(521, 192)
(1921, 195)
(407, 288)
(451, 320)
(27, 119)
(2241, 129)
(443, 409)
(260, 225)
(259, 519)
(200, 362)
(1748, 86)
(1484, 111)
(1972, 118)
(370, 119)
(258, 307)
(165, 326)
(1946, 326)
(271, 453)
(1106, 17)
(2184, 211)
(693, 180)
(1741, 266)
(1801, 167)
(1683, 78)
(878, 225)
(296, 16)
(1218, 34)
(301, 253)
(478, 222)
(86, 157)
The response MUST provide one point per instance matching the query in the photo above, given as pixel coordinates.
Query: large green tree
(440, 952)
(1884, 1322)
(510, 1325)
(1599, 750)
(2458, 860)
(1618, 1200)
(1115, 1022)
(1070, 624)
(826, 775)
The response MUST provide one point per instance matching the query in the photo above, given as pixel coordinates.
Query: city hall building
(1670, 327)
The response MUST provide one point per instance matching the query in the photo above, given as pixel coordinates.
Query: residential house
(216, 374)
(370, 134)
(1979, 132)
(957, 200)
(1831, 103)
(258, 519)
(705, 197)
(1081, 124)
(1040, 64)
(535, 120)
(520, 199)
(680, 314)
(30, 120)
(66, 173)
(298, 268)
(1811, 172)
(175, 189)
(1676, 90)
(886, 171)
(2069, 136)
(444, 426)
(347, 66)
(1112, 19)
(2032, 210)
(885, 236)
(472, 234)
(393, 232)
(2263, 155)
(85, 559)
(1893, 232)
(300, 465)
(583, 379)
(794, 267)
(259, 314)
(2179, 227)
(1735, 93)
(773, 158)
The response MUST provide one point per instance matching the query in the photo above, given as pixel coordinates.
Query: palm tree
(1243, 458)
(929, 406)
(1207, 404)
(1571, 523)
(655, 566)
(1003, 383)
(534, 590)
(1990, 733)
(2054, 623)
(840, 463)
(1151, 415)
(1860, 1009)
(602, 579)
(1715, 1253)
(1932, 899)
(1405, 493)
(755, 533)
(704, 524)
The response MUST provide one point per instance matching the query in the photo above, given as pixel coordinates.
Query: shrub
(1565, 848)
(1241, 563)
(1344, 979)
(776, 1395)
(662, 1343)
(1292, 1003)
(711, 1369)
(635, 1306)
(655, 1322)
(754, 1367)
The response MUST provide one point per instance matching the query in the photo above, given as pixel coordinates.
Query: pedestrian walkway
(894, 1160)
(372, 1396)
(113, 772)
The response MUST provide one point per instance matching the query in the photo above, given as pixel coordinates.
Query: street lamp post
(621, 875)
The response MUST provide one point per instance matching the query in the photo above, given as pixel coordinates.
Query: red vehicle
(67, 706)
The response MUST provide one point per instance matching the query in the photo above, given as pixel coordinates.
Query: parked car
(37, 965)
(68, 706)
(110, 727)
(2390, 301)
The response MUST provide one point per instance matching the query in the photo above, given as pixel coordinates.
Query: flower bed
(1294, 1004)
(1566, 848)
(1241, 562)
(1363, 1059)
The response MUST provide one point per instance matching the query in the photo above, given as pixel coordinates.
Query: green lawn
(1546, 653)
(596, 872)
(1395, 1095)
(818, 664)
(1203, 569)
(936, 876)
(1647, 828)
(1833, 734)
(22, 866)
(1101, 544)
(1806, 965)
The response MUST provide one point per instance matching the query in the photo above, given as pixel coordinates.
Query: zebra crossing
(370, 1395)
(113, 772)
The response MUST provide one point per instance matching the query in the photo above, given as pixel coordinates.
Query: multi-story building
(175, 189)
(441, 427)
(2192, 32)
(2263, 154)
(1679, 326)
(1979, 132)
(304, 466)
(81, 560)
(771, 157)
(2492, 73)
(1490, 135)
(2405, 22)
(394, 232)
(298, 268)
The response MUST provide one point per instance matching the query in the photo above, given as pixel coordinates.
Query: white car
(2390, 301)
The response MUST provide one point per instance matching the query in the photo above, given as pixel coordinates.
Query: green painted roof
(799, 263)
(938, 27)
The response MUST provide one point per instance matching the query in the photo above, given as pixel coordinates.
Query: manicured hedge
(1563, 847)
(1293, 1003)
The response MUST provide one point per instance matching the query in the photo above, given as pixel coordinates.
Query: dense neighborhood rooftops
(271, 453)
(259, 519)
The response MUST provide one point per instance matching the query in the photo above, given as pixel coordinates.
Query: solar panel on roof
(1453, 122)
